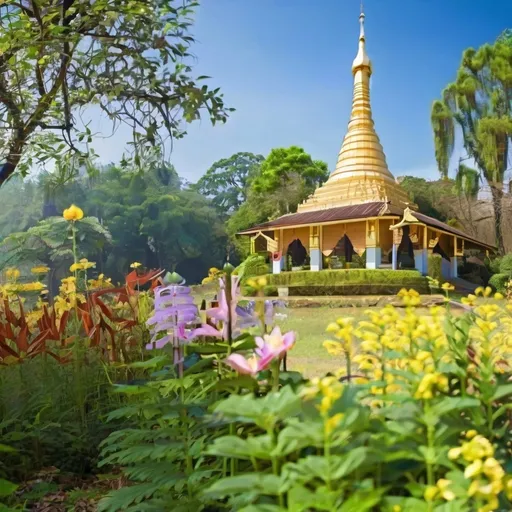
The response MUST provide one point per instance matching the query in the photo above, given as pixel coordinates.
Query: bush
(493, 265)
(346, 276)
(506, 265)
(434, 267)
(499, 282)
(253, 266)
(349, 282)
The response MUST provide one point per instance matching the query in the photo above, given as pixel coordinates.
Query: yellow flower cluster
(485, 472)
(12, 274)
(329, 390)
(135, 265)
(213, 274)
(83, 264)
(73, 213)
(101, 283)
(342, 330)
(430, 383)
(257, 283)
(411, 298)
(68, 297)
(40, 269)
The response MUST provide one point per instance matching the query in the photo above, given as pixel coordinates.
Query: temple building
(360, 215)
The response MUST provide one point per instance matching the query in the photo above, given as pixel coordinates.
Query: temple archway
(344, 249)
(405, 252)
(297, 253)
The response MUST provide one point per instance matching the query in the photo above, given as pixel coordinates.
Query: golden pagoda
(360, 215)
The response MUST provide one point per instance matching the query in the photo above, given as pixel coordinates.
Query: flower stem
(275, 375)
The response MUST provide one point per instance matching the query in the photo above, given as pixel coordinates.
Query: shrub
(506, 264)
(493, 265)
(435, 267)
(252, 266)
(499, 282)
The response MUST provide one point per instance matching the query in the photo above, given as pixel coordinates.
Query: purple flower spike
(174, 308)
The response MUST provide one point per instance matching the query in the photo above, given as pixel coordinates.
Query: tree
(479, 103)
(228, 180)
(129, 58)
(291, 175)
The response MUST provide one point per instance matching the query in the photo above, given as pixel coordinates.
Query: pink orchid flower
(274, 344)
(250, 366)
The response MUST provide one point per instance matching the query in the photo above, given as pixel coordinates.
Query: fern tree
(479, 103)
(49, 243)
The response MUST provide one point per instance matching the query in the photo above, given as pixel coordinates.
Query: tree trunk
(497, 203)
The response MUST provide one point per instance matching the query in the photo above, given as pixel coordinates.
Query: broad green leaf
(6, 488)
(258, 447)
(258, 483)
(502, 391)
(361, 501)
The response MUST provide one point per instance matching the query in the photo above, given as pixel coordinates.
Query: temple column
(315, 249)
(394, 257)
(373, 250)
(278, 264)
(421, 255)
(454, 270)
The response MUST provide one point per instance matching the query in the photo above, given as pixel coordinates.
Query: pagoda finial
(362, 59)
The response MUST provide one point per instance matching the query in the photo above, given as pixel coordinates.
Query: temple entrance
(405, 252)
(296, 254)
(342, 253)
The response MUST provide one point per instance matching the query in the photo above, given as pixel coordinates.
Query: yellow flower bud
(73, 213)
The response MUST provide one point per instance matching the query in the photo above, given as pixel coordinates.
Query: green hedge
(506, 264)
(349, 282)
(499, 282)
(344, 276)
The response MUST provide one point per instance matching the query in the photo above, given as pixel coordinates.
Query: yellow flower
(12, 273)
(430, 493)
(448, 287)
(136, 264)
(470, 300)
(75, 267)
(333, 422)
(454, 453)
(31, 287)
(471, 433)
(443, 486)
(86, 264)
(478, 448)
(334, 348)
(473, 469)
(41, 269)
(73, 213)
(499, 296)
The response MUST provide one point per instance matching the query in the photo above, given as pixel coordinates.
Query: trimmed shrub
(506, 265)
(349, 282)
(434, 267)
(252, 266)
(499, 282)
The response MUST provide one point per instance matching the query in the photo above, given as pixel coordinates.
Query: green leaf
(451, 404)
(502, 391)
(257, 483)
(361, 501)
(6, 488)
(258, 447)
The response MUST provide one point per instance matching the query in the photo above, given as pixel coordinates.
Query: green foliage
(348, 282)
(493, 265)
(478, 102)
(253, 266)
(506, 264)
(435, 267)
(162, 447)
(228, 180)
(132, 59)
(430, 196)
(499, 282)
(339, 277)
(52, 415)
(291, 172)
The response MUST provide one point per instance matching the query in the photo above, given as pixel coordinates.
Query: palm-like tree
(479, 103)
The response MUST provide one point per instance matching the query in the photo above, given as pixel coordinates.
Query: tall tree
(127, 57)
(479, 103)
(293, 174)
(228, 180)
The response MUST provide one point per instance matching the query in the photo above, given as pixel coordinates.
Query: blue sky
(285, 65)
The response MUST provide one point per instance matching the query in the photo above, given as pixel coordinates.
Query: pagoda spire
(361, 174)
